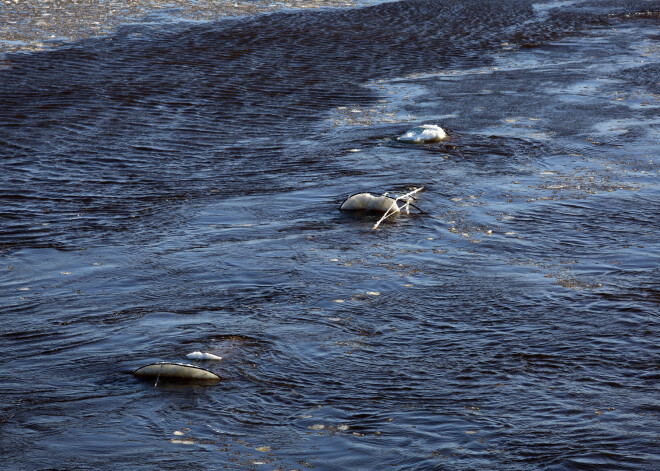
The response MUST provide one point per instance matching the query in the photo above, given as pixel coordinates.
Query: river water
(173, 186)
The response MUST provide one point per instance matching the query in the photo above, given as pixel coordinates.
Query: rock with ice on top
(175, 372)
(203, 356)
(424, 134)
(383, 204)
(369, 202)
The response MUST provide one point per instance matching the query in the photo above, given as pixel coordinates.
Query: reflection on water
(176, 188)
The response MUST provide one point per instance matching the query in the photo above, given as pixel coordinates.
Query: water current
(173, 186)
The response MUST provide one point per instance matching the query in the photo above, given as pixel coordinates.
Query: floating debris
(203, 356)
(424, 134)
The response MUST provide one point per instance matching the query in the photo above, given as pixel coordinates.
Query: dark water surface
(174, 187)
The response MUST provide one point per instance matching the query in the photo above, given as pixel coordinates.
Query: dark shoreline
(34, 25)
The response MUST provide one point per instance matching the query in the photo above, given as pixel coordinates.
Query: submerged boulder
(166, 371)
(388, 206)
(369, 202)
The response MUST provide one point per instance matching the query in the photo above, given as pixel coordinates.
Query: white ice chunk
(203, 356)
(424, 134)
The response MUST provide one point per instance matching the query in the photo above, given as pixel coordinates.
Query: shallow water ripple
(174, 187)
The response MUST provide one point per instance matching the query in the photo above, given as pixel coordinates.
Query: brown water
(174, 187)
